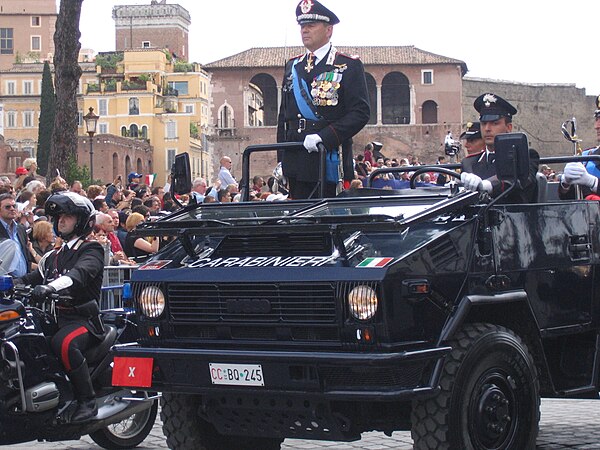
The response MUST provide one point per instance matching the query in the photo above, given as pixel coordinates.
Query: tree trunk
(67, 74)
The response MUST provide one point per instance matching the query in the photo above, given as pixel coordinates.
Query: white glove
(311, 141)
(474, 183)
(575, 173)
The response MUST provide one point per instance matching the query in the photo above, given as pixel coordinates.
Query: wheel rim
(493, 411)
(131, 426)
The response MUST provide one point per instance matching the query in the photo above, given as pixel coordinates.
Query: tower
(157, 25)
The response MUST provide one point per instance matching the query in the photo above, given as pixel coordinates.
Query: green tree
(47, 113)
(66, 78)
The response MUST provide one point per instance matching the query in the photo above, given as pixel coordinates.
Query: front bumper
(325, 375)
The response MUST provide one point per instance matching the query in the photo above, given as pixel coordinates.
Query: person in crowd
(159, 192)
(35, 186)
(31, 166)
(362, 172)
(142, 192)
(58, 185)
(324, 101)
(120, 229)
(126, 198)
(41, 197)
(42, 239)
(225, 176)
(153, 204)
(75, 268)
(137, 246)
(133, 180)
(105, 223)
(77, 187)
(10, 229)
(472, 139)
(100, 204)
(441, 179)
(4, 180)
(478, 171)
(198, 190)
(20, 174)
(578, 174)
(258, 183)
(94, 191)
(224, 196)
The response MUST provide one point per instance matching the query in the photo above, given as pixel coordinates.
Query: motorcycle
(36, 397)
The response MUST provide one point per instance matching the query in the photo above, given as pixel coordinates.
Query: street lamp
(91, 120)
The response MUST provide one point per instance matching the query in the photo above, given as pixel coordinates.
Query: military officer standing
(324, 100)
(478, 171)
(587, 175)
(472, 136)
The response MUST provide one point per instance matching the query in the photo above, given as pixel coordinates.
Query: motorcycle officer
(75, 269)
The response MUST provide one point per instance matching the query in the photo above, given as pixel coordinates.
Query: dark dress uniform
(492, 107)
(79, 325)
(336, 91)
(343, 106)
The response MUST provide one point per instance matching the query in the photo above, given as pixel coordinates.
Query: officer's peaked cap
(491, 107)
(309, 11)
(473, 131)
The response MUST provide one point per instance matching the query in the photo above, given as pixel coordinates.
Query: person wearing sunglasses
(10, 229)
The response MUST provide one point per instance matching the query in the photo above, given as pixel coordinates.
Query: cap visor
(489, 117)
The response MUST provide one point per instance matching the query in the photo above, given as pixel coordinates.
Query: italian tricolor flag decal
(375, 262)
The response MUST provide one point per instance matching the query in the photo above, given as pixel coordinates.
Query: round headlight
(363, 302)
(152, 302)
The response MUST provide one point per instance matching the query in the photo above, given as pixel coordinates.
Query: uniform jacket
(337, 83)
(485, 168)
(84, 264)
(23, 240)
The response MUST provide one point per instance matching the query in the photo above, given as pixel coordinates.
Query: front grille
(296, 244)
(270, 303)
(405, 376)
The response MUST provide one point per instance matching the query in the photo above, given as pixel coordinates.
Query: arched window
(395, 99)
(225, 116)
(127, 165)
(144, 133)
(150, 169)
(429, 112)
(140, 167)
(124, 131)
(115, 166)
(264, 107)
(372, 89)
(133, 130)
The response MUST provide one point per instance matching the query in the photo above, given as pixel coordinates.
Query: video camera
(452, 148)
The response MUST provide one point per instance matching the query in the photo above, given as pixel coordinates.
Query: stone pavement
(565, 424)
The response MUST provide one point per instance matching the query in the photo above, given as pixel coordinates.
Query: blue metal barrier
(112, 285)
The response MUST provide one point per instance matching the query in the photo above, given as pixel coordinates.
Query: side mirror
(181, 175)
(512, 156)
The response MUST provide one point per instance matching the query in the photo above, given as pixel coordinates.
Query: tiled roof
(387, 55)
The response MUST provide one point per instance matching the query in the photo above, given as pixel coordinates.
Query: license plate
(236, 374)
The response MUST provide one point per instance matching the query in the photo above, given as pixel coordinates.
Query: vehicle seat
(542, 187)
(97, 353)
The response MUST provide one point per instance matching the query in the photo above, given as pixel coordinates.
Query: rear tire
(128, 433)
(185, 430)
(489, 395)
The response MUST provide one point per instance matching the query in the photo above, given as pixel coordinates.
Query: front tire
(128, 433)
(185, 430)
(489, 395)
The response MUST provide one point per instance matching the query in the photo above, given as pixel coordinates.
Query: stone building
(542, 108)
(26, 31)
(415, 99)
(157, 25)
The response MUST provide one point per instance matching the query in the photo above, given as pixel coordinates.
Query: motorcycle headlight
(152, 302)
(363, 302)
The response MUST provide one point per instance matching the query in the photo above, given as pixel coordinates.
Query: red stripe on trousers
(64, 349)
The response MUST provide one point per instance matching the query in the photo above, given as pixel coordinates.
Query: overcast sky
(529, 41)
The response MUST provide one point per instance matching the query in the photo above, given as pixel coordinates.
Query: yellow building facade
(145, 94)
